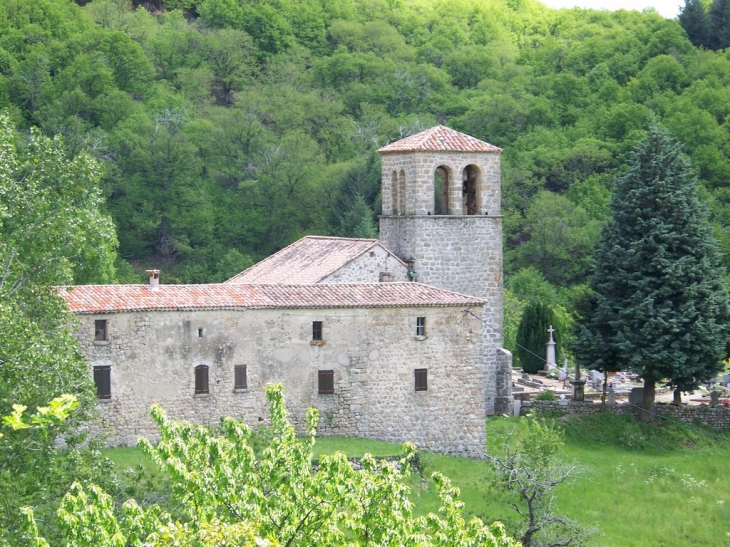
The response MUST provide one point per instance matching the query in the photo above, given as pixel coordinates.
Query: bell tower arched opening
(470, 190)
(441, 190)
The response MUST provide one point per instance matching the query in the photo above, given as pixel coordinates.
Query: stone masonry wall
(719, 417)
(419, 169)
(367, 268)
(373, 353)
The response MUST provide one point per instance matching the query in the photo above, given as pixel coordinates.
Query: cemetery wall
(718, 418)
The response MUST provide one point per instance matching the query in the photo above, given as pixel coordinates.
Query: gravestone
(714, 399)
(726, 380)
(636, 396)
(596, 377)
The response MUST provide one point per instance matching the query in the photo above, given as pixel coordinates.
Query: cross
(551, 330)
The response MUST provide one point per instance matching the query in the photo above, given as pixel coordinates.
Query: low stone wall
(718, 418)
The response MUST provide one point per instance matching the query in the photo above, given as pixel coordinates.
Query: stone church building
(398, 339)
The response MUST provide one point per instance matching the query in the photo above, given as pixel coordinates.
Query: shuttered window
(201, 379)
(326, 381)
(421, 379)
(100, 330)
(317, 330)
(102, 379)
(239, 381)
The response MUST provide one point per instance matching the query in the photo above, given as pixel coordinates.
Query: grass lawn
(660, 487)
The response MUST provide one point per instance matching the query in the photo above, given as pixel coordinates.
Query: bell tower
(441, 192)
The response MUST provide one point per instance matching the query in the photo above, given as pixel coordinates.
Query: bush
(546, 396)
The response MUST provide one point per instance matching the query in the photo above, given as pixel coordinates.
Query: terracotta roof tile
(308, 260)
(439, 139)
(88, 299)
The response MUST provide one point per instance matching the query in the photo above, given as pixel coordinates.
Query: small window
(421, 379)
(101, 332)
(239, 380)
(326, 381)
(317, 330)
(201, 333)
(102, 379)
(420, 326)
(201, 379)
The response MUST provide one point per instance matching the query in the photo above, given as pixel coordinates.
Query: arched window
(441, 188)
(402, 193)
(201, 379)
(394, 193)
(470, 190)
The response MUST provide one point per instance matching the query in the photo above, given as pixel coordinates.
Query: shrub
(546, 396)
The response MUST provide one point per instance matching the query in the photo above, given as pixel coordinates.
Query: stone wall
(367, 268)
(419, 168)
(719, 417)
(373, 353)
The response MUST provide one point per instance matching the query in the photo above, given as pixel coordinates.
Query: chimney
(154, 279)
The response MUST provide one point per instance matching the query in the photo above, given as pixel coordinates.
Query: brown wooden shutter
(317, 330)
(201, 379)
(240, 381)
(421, 379)
(102, 379)
(326, 381)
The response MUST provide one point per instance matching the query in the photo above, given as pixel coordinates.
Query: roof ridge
(439, 138)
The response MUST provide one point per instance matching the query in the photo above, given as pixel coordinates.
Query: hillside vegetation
(230, 129)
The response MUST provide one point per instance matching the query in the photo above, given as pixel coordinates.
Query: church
(397, 339)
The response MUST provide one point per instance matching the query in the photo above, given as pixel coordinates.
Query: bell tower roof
(439, 139)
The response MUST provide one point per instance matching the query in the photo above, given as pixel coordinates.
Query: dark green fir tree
(532, 335)
(720, 24)
(660, 307)
(695, 22)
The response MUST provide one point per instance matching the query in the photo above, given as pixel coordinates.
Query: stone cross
(550, 351)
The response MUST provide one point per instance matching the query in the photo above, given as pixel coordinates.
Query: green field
(651, 487)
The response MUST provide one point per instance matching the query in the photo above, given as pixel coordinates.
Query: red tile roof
(439, 139)
(308, 260)
(89, 299)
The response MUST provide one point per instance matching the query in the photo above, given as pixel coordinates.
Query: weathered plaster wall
(367, 268)
(373, 352)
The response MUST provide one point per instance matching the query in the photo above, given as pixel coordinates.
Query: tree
(234, 495)
(532, 335)
(720, 24)
(660, 306)
(695, 22)
(528, 473)
(52, 233)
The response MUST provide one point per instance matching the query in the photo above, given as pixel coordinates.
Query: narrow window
(102, 379)
(100, 330)
(239, 381)
(470, 190)
(317, 330)
(421, 379)
(201, 333)
(326, 381)
(420, 326)
(201, 379)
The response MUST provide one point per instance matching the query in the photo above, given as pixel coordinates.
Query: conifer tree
(532, 335)
(720, 24)
(660, 306)
(695, 22)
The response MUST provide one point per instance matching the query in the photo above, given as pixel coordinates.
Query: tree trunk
(677, 397)
(605, 387)
(647, 404)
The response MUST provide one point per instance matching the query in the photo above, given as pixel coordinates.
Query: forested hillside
(228, 129)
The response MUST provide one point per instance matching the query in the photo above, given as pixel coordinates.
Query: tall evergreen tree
(720, 24)
(532, 335)
(660, 306)
(695, 22)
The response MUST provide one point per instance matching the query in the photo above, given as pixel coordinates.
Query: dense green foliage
(235, 495)
(532, 336)
(660, 306)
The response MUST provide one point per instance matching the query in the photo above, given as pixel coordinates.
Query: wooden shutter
(326, 381)
(421, 379)
(240, 381)
(102, 379)
(201, 379)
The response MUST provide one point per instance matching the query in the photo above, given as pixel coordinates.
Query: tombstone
(726, 380)
(596, 377)
(550, 351)
(636, 396)
(516, 408)
(562, 374)
(611, 397)
(714, 399)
